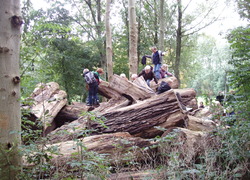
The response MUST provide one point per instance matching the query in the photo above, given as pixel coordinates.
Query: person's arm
(148, 56)
(168, 73)
(141, 73)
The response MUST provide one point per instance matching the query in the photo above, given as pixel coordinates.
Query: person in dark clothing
(148, 75)
(201, 105)
(156, 60)
(92, 87)
(220, 98)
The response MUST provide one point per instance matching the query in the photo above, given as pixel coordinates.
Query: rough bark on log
(118, 147)
(140, 81)
(70, 113)
(139, 119)
(187, 143)
(48, 101)
(172, 81)
(129, 89)
(198, 124)
(188, 96)
(107, 91)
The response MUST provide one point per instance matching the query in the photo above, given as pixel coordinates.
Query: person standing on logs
(156, 60)
(92, 81)
(148, 75)
(98, 72)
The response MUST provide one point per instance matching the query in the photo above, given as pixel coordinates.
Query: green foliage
(211, 62)
(51, 52)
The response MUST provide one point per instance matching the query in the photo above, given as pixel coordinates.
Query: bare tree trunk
(155, 23)
(108, 41)
(178, 43)
(161, 19)
(10, 116)
(133, 66)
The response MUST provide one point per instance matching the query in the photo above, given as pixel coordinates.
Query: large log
(185, 142)
(140, 81)
(172, 81)
(188, 96)
(117, 147)
(198, 124)
(141, 118)
(48, 101)
(128, 89)
(138, 119)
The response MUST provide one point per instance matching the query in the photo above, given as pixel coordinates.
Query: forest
(47, 128)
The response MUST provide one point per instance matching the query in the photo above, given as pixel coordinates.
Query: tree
(10, 116)
(133, 61)
(189, 24)
(108, 41)
(161, 19)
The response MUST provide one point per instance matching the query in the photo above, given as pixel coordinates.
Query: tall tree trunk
(155, 23)
(133, 66)
(108, 41)
(139, 35)
(10, 116)
(178, 43)
(161, 20)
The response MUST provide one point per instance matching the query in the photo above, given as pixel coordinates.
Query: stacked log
(134, 113)
(48, 102)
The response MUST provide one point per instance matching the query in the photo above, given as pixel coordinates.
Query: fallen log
(185, 142)
(117, 147)
(140, 119)
(48, 101)
(198, 124)
(140, 81)
(188, 96)
(172, 81)
(128, 89)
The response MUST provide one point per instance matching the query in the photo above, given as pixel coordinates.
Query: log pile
(133, 113)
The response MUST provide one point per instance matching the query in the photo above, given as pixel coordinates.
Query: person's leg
(148, 82)
(157, 71)
(95, 101)
(91, 91)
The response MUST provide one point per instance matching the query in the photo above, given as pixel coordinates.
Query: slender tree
(10, 116)
(133, 59)
(108, 41)
(178, 42)
(162, 29)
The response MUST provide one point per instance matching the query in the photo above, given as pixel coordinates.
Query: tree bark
(161, 19)
(133, 61)
(141, 118)
(10, 114)
(108, 41)
(48, 101)
(128, 89)
(198, 124)
(178, 42)
(116, 146)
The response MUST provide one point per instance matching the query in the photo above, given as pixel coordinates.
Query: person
(122, 75)
(98, 72)
(148, 75)
(220, 98)
(164, 71)
(201, 105)
(133, 77)
(156, 60)
(92, 82)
